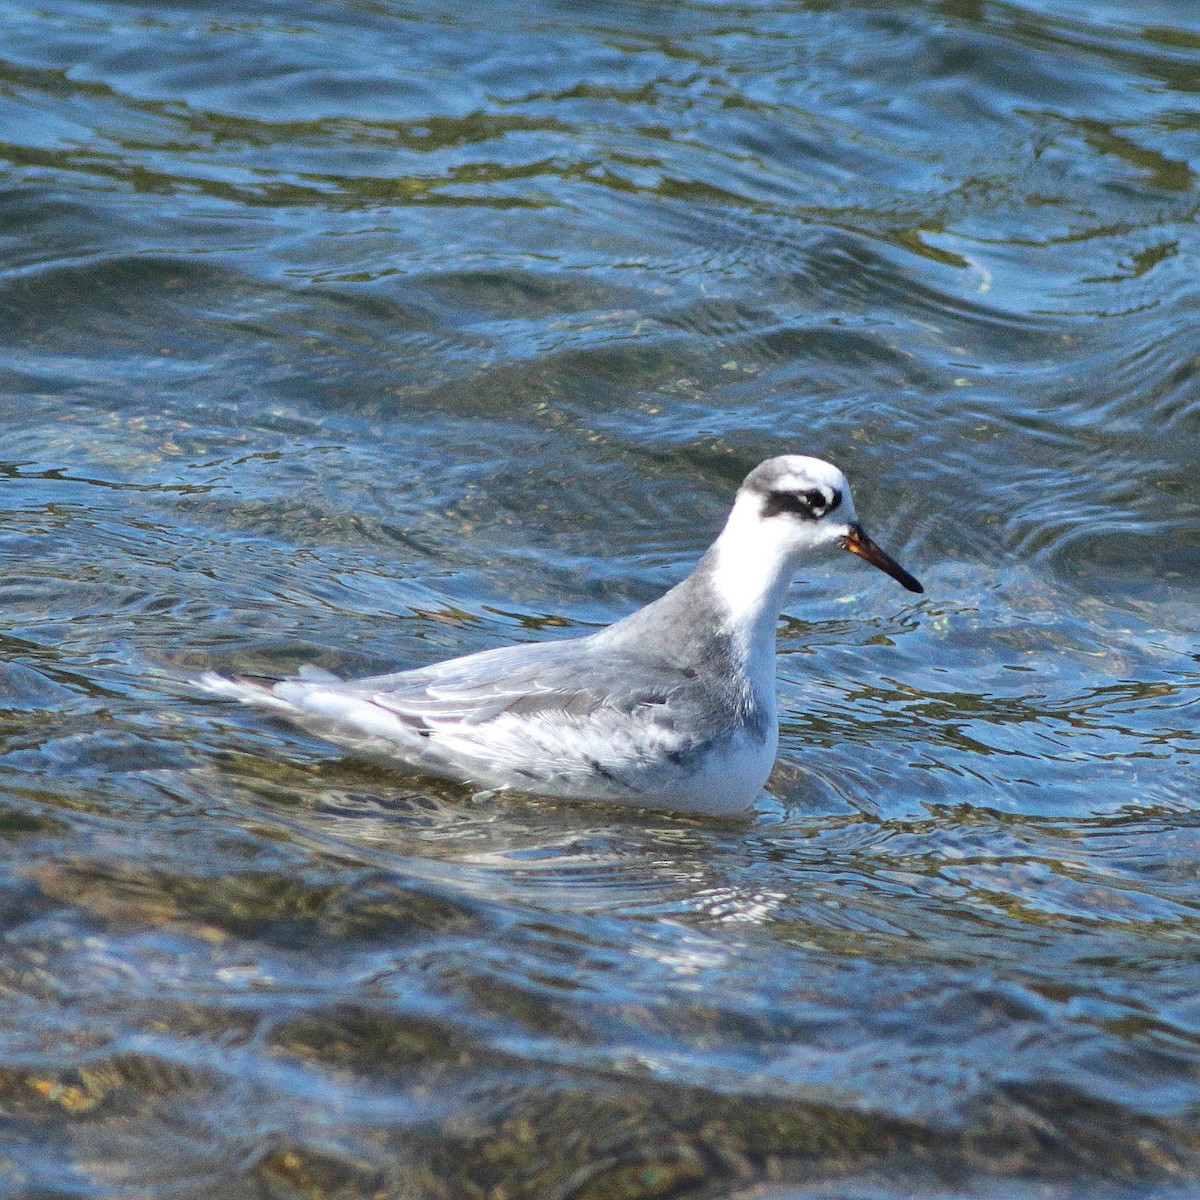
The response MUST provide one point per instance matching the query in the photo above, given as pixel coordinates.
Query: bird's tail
(249, 689)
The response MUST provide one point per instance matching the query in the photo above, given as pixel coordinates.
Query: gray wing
(568, 677)
(576, 718)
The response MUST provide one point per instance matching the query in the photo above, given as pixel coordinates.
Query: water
(366, 335)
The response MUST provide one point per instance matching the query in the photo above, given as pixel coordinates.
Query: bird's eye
(822, 500)
(810, 503)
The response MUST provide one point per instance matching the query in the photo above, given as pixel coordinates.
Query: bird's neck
(749, 574)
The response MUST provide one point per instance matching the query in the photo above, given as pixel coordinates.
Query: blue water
(367, 335)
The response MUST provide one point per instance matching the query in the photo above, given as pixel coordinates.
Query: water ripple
(368, 336)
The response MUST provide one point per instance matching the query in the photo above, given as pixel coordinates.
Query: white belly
(728, 782)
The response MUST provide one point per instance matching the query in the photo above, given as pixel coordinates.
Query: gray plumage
(671, 707)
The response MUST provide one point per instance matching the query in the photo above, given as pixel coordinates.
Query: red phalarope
(672, 707)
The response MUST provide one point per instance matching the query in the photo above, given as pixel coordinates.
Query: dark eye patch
(809, 503)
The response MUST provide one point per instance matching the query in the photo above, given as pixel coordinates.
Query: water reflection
(367, 337)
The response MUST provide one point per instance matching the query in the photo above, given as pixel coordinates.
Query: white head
(786, 508)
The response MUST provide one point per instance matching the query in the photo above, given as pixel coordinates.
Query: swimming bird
(672, 707)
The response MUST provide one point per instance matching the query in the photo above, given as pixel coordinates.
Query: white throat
(754, 561)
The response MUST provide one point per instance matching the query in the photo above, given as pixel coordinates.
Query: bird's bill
(857, 542)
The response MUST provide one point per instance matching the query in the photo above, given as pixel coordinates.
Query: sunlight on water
(365, 336)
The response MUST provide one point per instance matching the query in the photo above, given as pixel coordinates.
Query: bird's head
(796, 504)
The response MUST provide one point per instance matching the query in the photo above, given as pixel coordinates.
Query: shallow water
(365, 335)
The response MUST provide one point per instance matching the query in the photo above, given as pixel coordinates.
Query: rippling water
(365, 335)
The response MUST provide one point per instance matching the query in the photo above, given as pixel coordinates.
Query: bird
(672, 707)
